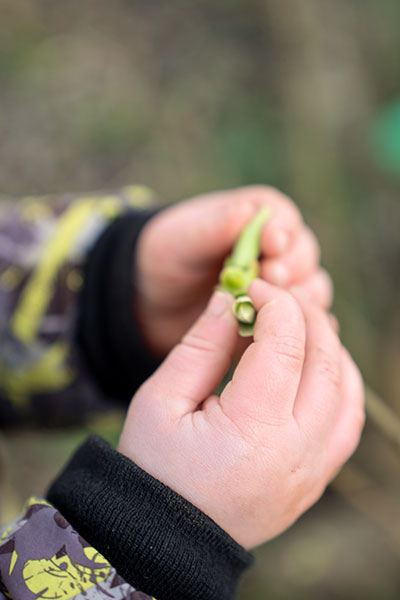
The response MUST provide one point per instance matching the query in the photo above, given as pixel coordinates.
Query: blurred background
(188, 97)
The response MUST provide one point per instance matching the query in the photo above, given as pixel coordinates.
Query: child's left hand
(181, 252)
(260, 454)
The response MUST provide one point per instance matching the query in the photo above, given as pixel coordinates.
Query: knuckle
(314, 491)
(350, 444)
(198, 343)
(328, 360)
(329, 368)
(290, 349)
(306, 488)
(351, 440)
(204, 349)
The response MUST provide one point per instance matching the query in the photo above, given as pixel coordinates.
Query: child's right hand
(255, 458)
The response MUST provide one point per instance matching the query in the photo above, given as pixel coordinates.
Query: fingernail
(278, 274)
(217, 305)
(281, 240)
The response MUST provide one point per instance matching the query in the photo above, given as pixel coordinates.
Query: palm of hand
(169, 299)
(172, 284)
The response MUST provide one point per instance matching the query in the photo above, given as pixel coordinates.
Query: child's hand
(181, 252)
(257, 457)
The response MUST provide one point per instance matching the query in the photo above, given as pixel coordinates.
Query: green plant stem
(247, 247)
(241, 267)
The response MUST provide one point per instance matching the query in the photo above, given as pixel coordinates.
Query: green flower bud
(244, 310)
(241, 267)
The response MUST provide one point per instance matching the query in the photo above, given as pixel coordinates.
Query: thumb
(194, 368)
(265, 382)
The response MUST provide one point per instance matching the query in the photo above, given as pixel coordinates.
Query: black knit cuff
(108, 332)
(157, 541)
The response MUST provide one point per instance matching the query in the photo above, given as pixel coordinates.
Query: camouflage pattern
(43, 558)
(43, 246)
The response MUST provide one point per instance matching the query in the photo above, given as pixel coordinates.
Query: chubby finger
(266, 379)
(197, 365)
(318, 286)
(347, 428)
(294, 265)
(319, 390)
(285, 223)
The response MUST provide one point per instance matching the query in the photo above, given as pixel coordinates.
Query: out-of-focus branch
(378, 506)
(385, 419)
(359, 490)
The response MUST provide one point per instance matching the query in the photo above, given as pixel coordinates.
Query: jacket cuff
(157, 541)
(108, 332)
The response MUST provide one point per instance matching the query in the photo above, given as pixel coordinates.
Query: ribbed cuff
(157, 541)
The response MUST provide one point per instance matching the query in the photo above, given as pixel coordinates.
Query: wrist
(160, 320)
(158, 542)
(108, 335)
(145, 313)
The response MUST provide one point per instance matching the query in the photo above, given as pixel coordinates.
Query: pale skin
(260, 454)
(181, 252)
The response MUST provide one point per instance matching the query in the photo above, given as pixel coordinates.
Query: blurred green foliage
(189, 97)
(385, 138)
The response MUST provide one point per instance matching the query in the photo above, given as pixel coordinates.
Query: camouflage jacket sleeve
(43, 558)
(44, 248)
(108, 529)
